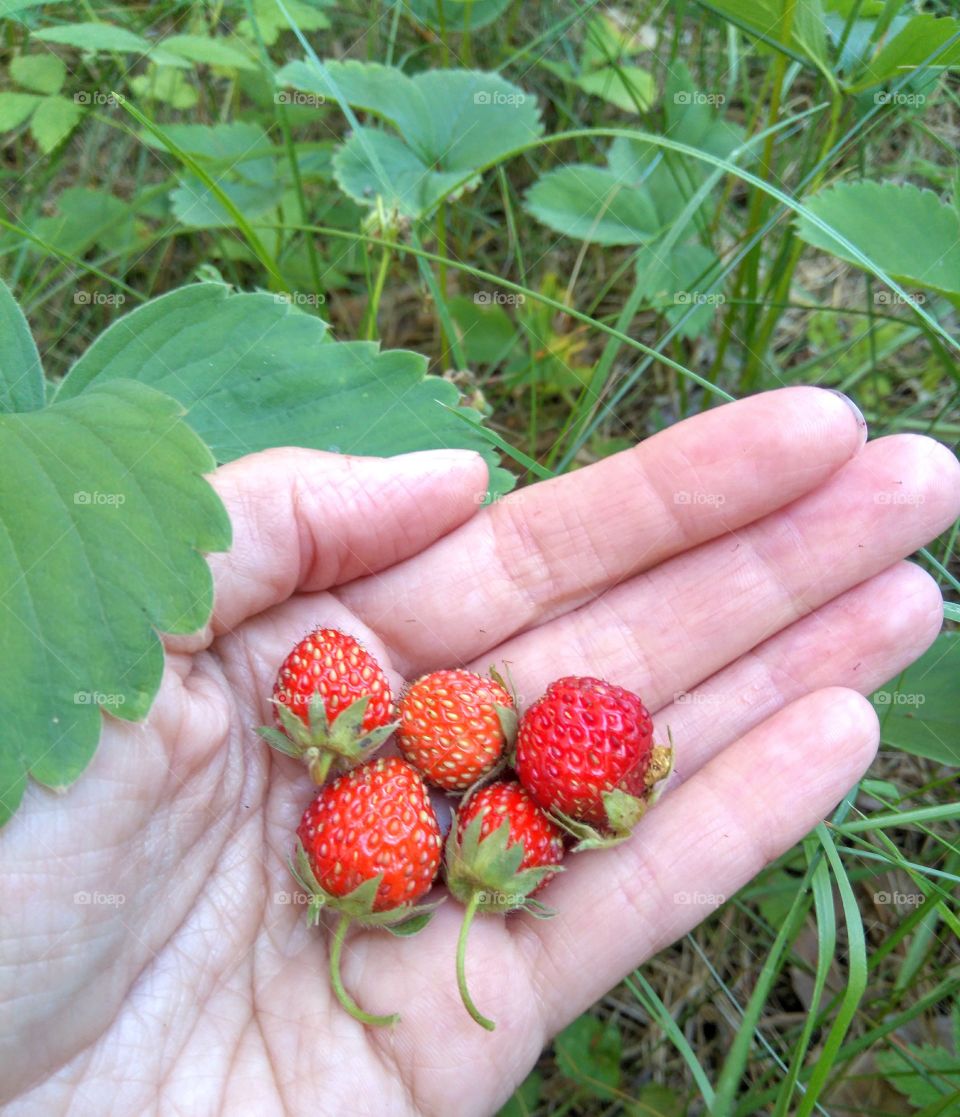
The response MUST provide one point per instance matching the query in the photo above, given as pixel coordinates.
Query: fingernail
(432, 459)
(861, 421)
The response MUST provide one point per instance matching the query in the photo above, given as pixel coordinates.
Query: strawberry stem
(320, 768)
(468, 1004)
(336, 948)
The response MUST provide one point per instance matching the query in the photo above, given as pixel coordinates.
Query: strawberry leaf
(21, 376)
(253, 371)
(104, 515)
(451, 124)
(907, 232)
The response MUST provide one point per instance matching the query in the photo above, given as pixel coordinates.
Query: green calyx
(485, 874)
(322, 745)
(356, 907)
(623, 811)
(489, 869)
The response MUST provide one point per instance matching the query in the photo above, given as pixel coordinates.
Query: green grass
(805, 993)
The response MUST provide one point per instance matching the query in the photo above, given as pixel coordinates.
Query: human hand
(740, 571)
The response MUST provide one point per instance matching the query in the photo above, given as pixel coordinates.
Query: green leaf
(104, 515)
(676, 280)
(15, 108)
(623, 86)
(87, 217)
(924, 1074)
(253, 185)
(922, 37)
(908, 232)
(486, 332)
(456, 14)
(453, 122)
(526, 1097)
(54, 120)
(21, 374)
(210, 52)
(95, 37)
(167, 85)
(588, 1053)
(918, 711)
(606, 40)
(271, 21)
(594, 204)
(14, 9)
(43, 73)
(369, 156)
(254, 372)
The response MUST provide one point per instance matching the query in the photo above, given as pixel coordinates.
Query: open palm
(741, 571)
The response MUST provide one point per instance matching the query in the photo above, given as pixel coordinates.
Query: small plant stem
(336, 949)
(468, 1004)
(320, 768)
(370, 329)
(442, 277)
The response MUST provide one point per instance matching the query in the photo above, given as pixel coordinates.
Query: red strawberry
(369, 847)
(454, 727)
(501, 851)
(332, 703)
(585, 753)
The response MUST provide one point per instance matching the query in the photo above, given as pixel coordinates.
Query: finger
(555, 545)
(859, 641)
(667, 630)
(695, 849)
(305, 519)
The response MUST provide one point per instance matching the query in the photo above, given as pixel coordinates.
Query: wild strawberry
(454, 727)
(369, 848)
(585, 753)
(501, 851)
(332, 703)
